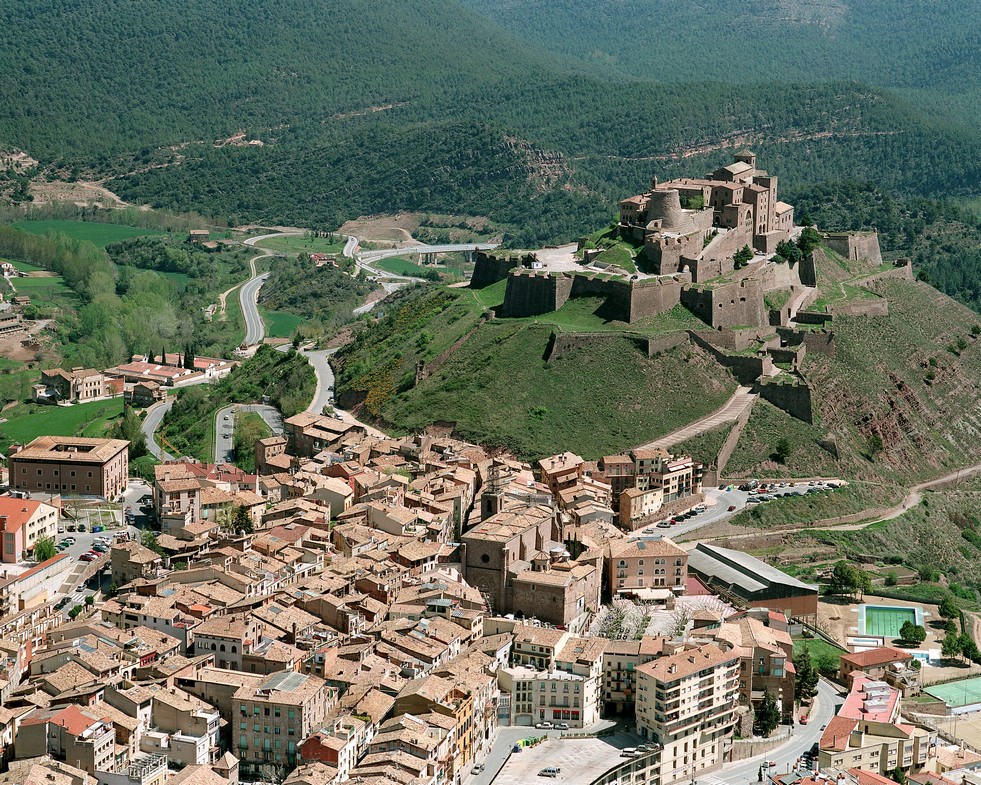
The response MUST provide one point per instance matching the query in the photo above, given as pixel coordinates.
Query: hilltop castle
(690, 234)
(699, 225)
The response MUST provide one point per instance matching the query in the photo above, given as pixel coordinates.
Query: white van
(629, 752)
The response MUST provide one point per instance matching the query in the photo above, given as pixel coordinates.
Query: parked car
(562, 726)
(478, 768)
(544, 726)
(803, 719)
(71, 527)
(629, 752)
(732, 508)
(664, 525)
(549, 771)
(87, 557)
(97, 529)
(81, 527)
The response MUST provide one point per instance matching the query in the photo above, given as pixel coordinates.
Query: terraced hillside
(900, 402)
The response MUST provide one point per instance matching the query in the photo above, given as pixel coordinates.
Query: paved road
(804, 736)
(248, 296)
(574, 761)
(742, 399)
(225, 427)
(150, 424)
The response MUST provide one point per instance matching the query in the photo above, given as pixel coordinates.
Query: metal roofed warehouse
(752, 581)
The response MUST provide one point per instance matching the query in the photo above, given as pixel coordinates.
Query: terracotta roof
(71, 448)
(687, 663)
(835, 736)
(881, 656)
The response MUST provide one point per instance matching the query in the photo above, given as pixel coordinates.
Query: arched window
(234, 649)
(222, 647)
(214, 647)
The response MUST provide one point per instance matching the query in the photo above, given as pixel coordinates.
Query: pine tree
(767, 715)
(805, 685)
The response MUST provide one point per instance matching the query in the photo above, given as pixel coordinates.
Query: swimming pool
(887, 620)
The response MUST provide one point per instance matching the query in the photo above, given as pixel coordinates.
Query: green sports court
(958, 693)
(885, 621)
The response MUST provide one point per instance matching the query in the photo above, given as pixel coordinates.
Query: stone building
(22, 523)
(517, 560)
(647, 567)
(72, 465)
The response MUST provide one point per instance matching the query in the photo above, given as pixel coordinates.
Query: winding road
(255, 332)
(225, 427)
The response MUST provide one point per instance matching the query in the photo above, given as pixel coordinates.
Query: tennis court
(886, 620)
(958, 693)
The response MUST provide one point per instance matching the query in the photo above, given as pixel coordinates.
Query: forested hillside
(369, 107)
(920, 44)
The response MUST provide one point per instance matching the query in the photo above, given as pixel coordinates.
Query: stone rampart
(855, 246)
(560, 344)
(878, 307)
(793, 397)
(747, 368)
(530, 293)
(736, 304)
(491, 268)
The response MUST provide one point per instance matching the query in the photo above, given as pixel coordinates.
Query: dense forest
(284, 379)
(126, 303)
(920, 44)
(942, 238)
(368, 107)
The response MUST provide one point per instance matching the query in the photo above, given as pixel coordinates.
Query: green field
(280, 324)
(24, 267)
(403, 266)
(958, 693)
(817, 647)
(98, 233)
(48, 291)
(298, 245)
(28, 421)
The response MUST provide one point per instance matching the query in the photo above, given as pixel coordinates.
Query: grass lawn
(48, 291)
(280, 324)
(28, 421)
(298, 245)
(402, 266)
(24, 267)
(816, 646)
(98, 233)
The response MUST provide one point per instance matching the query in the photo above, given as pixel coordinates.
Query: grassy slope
(99, 234)
(599, 398)
(28, 421)
(297, 245)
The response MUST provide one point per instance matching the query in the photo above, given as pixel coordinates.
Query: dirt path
(729, 412)
(223, 297)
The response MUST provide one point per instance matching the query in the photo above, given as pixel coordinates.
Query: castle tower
(746, 156)
(666, 206)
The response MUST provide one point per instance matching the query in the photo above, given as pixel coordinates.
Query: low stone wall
(814, 317)
(742, 749)
(729, 445)
(663, 343)
(562, 343)
(855, 246)
(746, 368)
(878, 307)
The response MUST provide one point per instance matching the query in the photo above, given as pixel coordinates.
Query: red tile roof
(881, 656)
(17, 511)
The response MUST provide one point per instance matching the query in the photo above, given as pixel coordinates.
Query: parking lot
(725, 501)
(580, 760)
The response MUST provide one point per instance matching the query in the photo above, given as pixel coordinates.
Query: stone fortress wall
(691, 231)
